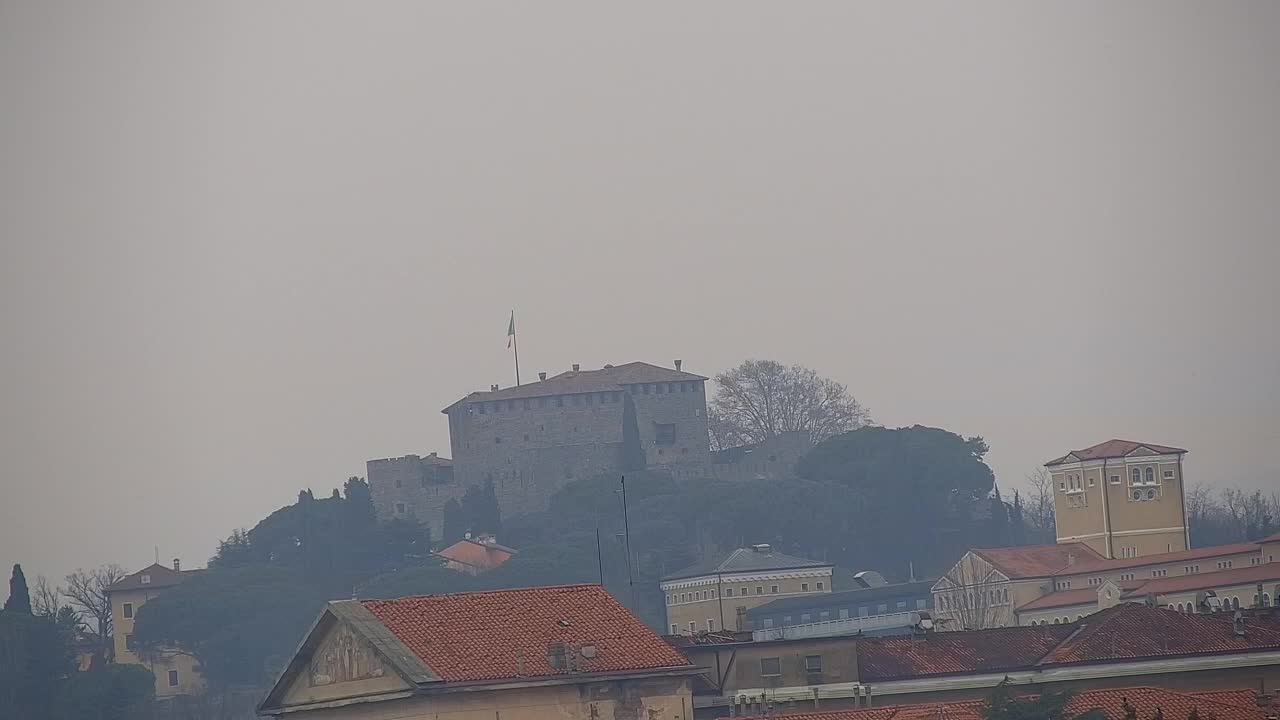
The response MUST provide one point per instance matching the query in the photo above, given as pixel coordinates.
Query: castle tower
(1124, 499)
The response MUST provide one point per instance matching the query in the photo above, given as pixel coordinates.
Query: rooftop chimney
(1238, 622)
(1071, 559)
(678, 364)
(177, 565)
(762, 548)
(576, 366)
(542, 375)
(493, 388)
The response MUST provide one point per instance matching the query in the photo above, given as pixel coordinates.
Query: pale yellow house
(1122, 537)
(713, 595)
(176, 672)
(1122, 498)
(553, 653)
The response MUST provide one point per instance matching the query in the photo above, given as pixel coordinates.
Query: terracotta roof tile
(1067, 598)
(1114, 449)
(477, 554)
(160, 576)
(746, 560)
(977, 651)
(1225, 705)
(1039, 560)
(1132, 631)
(505, 633)
(584, 381)
(1091, 564)
(1210, 580)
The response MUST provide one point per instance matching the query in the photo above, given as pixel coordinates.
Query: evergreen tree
(633, 458)
(480, 509)
(1017, 524)
(19, 597)
(455, 525)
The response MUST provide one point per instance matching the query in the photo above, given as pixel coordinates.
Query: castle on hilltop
(529, 440)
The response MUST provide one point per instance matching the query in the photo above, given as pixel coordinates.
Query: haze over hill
(247, 247)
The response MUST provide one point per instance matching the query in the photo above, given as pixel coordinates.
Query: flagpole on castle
(511, 343)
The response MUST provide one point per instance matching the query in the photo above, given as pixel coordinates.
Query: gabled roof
(477, 554)
(1225, 705)
(159, 575)
(1131, 631)
(1113, 449)
(1080, 596)
(1122, 633)
(962, 652)
(502, 634)
(606, 379)
(1270, 538)
(747, 560)
(1028, 561)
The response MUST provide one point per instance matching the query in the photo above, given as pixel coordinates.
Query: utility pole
(626, 529)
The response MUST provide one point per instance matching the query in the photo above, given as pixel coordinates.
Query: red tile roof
(606, 379)
(1114, 449)
(505, 633)
(477, 554)
(1132, 631)
(1271, 538)
(981, 651)
(1212, 580)
(1225, 705)
(1081, 596)
(1126, 632)
(1039, 560)
(1091, 564)
(160, 576)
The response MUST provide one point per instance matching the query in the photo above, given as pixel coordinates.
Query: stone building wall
(412, 487)
(773, 459)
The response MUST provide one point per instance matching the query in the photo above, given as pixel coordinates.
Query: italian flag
(511, 329)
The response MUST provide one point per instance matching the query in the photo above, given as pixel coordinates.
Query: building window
(920, 603)
(813, 663)
(1063, 585)
(767, 622)
(1151, 475)
(806, 617)
(863, 611)
(665, 433)
(728, 592)
(591, 399)
(693, 626)
(397, 483)
(127, 609)
(399, 508)
(1126, 576)
(173, 678)
(128, 641)
(1255, 561)
(759, 589)
(844, 613)
(770, 667)
(675, 629)
(1090, 482)
(497, 440)
(559, 401)
(824, 615)
(804, 587)
(1191, 569)
(1115, 479)
(773, 589)
(1168, 474)
(744, 592)
(820, 586)
(1159, 573)
(882, 608)
(711, 625)
(145, 579)
(668, 599)
(1224, 564)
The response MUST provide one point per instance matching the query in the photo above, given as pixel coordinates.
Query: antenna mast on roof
(626, 529)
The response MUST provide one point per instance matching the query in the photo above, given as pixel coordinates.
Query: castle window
(665, 433)
(759, 589)
(728, 592)
(804, 587)
(819, 586)
(173, 678)
(693, 626)
(773, 589)
(128, 610)
(1151, 475)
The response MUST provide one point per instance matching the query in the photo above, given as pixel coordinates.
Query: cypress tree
(19, 597)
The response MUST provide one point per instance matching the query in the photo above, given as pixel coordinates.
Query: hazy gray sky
(247, 246)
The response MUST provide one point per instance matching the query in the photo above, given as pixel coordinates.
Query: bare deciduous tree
(87, 590)
(1038, 509)
(973, 597)
(760, 399)
(46, 599)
